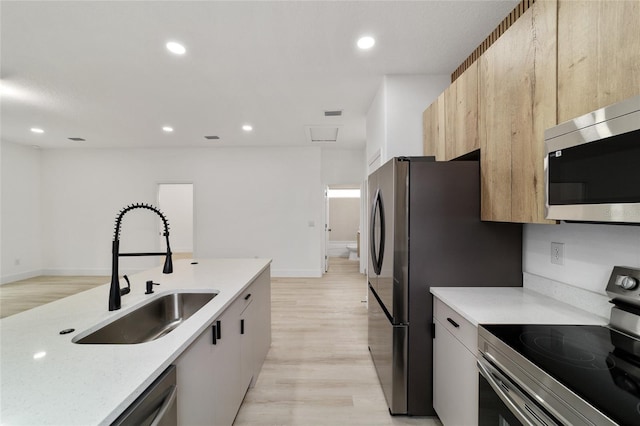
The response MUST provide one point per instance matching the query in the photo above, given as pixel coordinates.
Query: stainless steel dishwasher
(156, 406)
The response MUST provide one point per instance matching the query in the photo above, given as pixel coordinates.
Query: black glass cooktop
(600, 365)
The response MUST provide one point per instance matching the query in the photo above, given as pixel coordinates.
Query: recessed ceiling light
(176, 48)
(37, 130)
(247, 127)
(167, 129)
(366, 42)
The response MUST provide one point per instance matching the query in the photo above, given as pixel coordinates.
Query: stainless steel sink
(149, 321)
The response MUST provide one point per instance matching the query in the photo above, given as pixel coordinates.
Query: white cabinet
(260, 331)
(247, 335)
(215, 371)
(207, 374)
(455, 375)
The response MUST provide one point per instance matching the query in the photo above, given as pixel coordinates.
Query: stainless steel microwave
(592, 166)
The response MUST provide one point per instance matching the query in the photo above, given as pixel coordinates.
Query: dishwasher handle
(519, 403)
(166, 405)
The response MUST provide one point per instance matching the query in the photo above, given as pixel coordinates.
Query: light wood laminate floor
(318, 370)
(26, 294)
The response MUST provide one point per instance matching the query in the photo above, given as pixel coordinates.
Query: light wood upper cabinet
(517, 102)
(433, 122)
(559, 60)
(598, 55)
(461, 114)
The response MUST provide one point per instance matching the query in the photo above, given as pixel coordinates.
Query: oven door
(503, 403)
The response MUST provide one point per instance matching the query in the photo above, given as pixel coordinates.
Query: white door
(175, 200)
(327, 229)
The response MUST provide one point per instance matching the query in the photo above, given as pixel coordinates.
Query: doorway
(342, 226)
(175, 200)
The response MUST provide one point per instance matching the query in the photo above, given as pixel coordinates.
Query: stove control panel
(624, 284)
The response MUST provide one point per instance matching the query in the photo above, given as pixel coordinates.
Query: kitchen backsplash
(589, 253)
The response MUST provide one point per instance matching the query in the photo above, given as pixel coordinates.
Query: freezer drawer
(388, 348)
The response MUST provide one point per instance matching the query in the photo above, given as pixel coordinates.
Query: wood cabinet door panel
(433, 122)
(461, 116)
(598, 55)
(517, 80)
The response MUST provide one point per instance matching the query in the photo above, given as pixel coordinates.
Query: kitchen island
(46, 379)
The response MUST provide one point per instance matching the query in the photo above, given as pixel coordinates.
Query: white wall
(407, 98)
(344, 218)
(376, 129)
(590, 252)
(20, 222)
(248, 202)
(394, 119)
(175, 201)
(342, 166)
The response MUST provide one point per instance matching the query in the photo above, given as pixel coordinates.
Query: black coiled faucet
(114, 291)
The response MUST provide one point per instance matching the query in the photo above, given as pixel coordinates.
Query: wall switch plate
(557, 253)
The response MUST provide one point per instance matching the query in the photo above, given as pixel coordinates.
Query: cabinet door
(598, 54)
(433, 123)
(196, 377)
(455, 380)
(228, 388)
(517, 97)
(461, 116)
(208, 374)
(247, 336)
(261, 331)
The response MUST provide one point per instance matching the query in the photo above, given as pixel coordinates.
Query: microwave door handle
(521, 406)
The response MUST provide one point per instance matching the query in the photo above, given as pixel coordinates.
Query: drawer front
(459, 327)
(247, 296)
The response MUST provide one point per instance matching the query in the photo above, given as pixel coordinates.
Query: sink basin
(150, 321)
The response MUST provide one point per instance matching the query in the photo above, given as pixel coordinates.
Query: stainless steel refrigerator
(425, 231)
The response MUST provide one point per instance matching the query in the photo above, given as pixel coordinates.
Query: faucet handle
(150, 285)
(127, 289)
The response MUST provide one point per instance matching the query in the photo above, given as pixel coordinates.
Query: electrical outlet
(557, 253)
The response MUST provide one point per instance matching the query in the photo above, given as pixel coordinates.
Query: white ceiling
(100, 70)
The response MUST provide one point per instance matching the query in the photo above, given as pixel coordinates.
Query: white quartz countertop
(511, 305)
(45, 379)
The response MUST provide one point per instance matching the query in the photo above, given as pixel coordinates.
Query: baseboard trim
(278, 273)
(6, 279)
(296, 273)
(86, 272)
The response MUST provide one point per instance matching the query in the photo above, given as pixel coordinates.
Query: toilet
(353, 251)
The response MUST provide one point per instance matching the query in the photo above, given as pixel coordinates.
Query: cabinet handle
(214, 335)
(247, 296)
(241, 326)
(218, 330)
(453, 323)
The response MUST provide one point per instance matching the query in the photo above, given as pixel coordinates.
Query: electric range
(565, 374)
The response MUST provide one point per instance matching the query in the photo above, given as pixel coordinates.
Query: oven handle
(518, 403)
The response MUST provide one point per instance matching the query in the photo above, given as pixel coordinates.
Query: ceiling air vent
(212, 137)
(77, 139)
(335, 113)
(322, 134)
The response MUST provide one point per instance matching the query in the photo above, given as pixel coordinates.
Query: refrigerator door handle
(377, 258)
